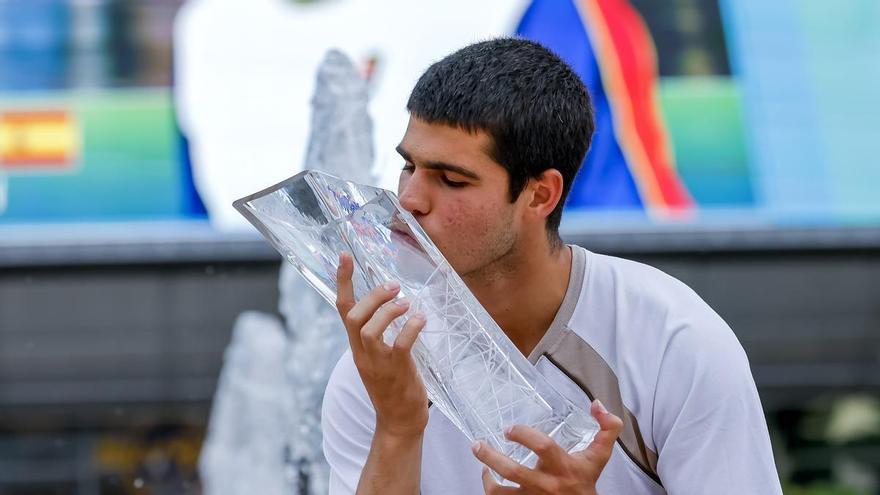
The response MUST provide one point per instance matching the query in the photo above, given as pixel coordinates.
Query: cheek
(471, 219)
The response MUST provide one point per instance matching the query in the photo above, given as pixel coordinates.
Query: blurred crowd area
(82, 44)
(85, 44)
(105, 390)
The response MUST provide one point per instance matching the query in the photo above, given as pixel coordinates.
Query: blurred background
(744, 159)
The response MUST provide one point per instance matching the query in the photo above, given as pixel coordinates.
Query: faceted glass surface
(473, 373)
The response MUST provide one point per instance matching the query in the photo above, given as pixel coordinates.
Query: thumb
(602, 445)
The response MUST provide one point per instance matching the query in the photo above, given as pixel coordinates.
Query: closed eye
(452, 183)
(410, 168)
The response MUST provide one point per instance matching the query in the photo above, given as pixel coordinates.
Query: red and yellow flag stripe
(628, 66)
(38, 139)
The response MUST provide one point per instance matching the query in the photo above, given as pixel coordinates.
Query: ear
(546, 192)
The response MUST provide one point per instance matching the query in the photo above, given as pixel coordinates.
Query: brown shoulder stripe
(586, 368)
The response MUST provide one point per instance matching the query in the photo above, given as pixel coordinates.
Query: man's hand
(556, 472)
(388, 372)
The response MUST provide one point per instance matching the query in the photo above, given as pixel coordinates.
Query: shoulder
(652, 307)
(659, 338)
(643, 284)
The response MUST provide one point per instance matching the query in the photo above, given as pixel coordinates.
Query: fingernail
(402, 302)
(391, 285)
(418, 315)
(475, 448)
(508, 430)
(601, 407)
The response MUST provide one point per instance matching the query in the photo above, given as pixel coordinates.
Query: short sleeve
(709, 427)
(347, 422)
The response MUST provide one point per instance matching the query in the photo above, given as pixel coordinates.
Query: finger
(372, 331)
(603, 443)
(491, 487)
(345, 297)
(364, 309)
(547, 450)
(408, 334)
(507, 467)
(344, 287)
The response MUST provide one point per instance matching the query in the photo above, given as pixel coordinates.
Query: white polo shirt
(654, 353)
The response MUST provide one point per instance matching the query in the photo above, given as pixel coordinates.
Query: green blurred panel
(706, 127)
(128, 166)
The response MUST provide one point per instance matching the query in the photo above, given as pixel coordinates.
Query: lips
(402, 234)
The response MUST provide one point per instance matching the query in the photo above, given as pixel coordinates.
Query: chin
(464, 268)
(453, 261)
(462, 264)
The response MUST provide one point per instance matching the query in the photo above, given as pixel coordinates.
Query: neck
(524, 290)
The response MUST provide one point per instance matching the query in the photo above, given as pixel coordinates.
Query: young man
(497, 132)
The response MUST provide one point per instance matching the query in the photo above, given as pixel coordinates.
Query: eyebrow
(439, 165)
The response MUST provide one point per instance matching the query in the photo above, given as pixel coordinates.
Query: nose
(413, 194)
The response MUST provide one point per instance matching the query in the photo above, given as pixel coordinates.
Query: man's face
(458, 194)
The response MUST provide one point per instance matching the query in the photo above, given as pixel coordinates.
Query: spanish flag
(44, 139)
(630, 164)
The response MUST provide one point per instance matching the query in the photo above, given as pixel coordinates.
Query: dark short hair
(531, 103)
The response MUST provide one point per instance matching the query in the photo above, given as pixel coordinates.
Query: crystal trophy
(472, 372)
